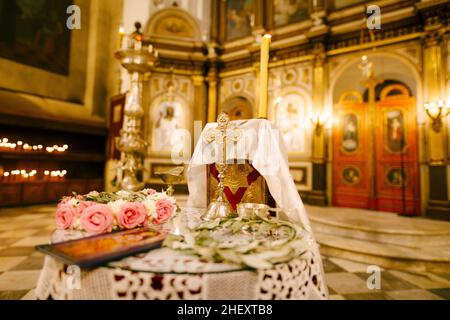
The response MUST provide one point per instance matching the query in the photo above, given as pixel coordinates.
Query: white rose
(116, 206)
(72, 202)
(150, 204)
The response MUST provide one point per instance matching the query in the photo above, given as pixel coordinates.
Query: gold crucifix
(220, 209)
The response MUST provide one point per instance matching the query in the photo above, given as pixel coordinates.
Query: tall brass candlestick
(264, 75)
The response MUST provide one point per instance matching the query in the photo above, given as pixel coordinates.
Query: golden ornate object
(170, 178)
(138, 58)
(242, 183)
(252, 211)
(220, 208)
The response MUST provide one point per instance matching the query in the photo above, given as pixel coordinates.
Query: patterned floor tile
(350, 266)
(44, 233)
(346, 283)
(32, 217)
(389, 282)
(30, 263)
(446, 276)
(424, 281)
(7, 263)
(413, 295)
(18, 280)
(336, 297)
(29, 296)
(367, 296)
(443, 293)
(8, 241)
(18, 233)
(31, 241)
(20, 265)
(331, 291)
(329, 266)
(13, 295)
(17, 251)
(4, 226)
(39, 224)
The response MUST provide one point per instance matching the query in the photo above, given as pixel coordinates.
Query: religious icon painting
(350, 133)
(290, 118)
(239, 18)
(395, 178)
(394, 131)
(351, 175)
(34, 33)
(168, 118)
(290, 11)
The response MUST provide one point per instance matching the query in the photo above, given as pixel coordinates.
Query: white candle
(121, 34)
(264, 75)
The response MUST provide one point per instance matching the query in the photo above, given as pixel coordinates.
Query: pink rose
(97, 219)
(151, 192)
(82, 206)
(132, 215)
(64, 216)
(164, 209)
(64, 201)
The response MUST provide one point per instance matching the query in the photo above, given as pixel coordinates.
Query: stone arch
(387, 66)
(173, 23)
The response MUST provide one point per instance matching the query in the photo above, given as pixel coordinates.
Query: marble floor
(23, 228)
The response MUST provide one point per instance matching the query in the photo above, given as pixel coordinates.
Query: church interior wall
(314, 58)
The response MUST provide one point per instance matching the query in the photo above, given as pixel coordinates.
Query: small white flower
(93, 194)
(77, 224)
(116, 206)
(123, 193)
(73, 202)
(150, 204)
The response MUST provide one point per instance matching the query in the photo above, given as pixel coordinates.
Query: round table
(165, 274)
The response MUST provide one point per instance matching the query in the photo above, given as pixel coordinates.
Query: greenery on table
(258, 244)
(107, 197)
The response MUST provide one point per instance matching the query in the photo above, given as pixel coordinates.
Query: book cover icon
(98, 250)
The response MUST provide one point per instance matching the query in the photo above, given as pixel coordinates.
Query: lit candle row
(20, 145)
(24, 174)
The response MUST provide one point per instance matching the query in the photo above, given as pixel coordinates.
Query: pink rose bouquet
(97, 213)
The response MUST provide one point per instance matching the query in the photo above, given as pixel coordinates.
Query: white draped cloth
(262, 144)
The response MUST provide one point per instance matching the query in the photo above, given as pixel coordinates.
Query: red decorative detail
(214, 172)
(235, 198)
(253, 176)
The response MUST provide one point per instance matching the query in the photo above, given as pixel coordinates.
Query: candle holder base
(218, 210)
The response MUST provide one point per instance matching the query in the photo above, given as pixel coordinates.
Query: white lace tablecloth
(165, 274)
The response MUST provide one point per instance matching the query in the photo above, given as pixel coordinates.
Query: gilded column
(438, 203)
(212, 95)
(199, 111)
(199, 98)
(318, 106)
(318, 196)
(433, 80)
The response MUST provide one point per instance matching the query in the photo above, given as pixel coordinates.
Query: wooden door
(380, 174)
(397, 176)
(351, 172)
